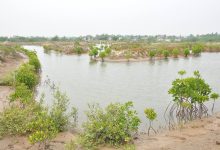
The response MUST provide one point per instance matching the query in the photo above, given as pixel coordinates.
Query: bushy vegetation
(189, 95)
(113, 125)
(151, 115)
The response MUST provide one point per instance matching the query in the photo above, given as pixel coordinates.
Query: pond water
(144, 83)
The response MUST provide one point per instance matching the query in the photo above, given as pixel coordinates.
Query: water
(144, 83)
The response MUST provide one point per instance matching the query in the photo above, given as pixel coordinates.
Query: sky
(91, 17)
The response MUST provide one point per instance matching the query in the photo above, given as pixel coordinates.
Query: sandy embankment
(6, 67)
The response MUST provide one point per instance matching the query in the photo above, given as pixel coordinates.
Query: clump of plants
(175, 53)
(186, 52)
(189, 95)
(214, 96)
(166, 54)
(114, 125)
(151, 115)
(197, 49)
(152, 53)
(26, 74)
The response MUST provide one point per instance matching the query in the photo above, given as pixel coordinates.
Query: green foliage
(13, 121)
(59, 114)
(152, 53)
(197, 49)
(93, 52)
(150, 114)
(186, 52)
(114, 125)
(26, 74)
(42, 128)
(22, 93)
(102, 55)
(214, 96)
(175, 53)
(189, 95)
(166, 53)
(182, 72)
(108, 51)
(78, 50)
(33, 60)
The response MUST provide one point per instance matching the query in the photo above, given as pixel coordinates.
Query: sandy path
(197, 135)
(8, 66)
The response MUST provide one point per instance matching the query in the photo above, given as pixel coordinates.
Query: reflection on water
(144, 83)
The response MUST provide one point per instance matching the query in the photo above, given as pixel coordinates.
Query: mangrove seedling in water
(189, 95)
(186, 52)
(102, 55)
(214, 96)
(151, 115)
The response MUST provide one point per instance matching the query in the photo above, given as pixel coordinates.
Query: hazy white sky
(83, 17)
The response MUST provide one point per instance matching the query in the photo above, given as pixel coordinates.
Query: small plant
(175, 53)
(113, 125)
(102, 55)
(26, 74)
(186, 52)
(151, 115)
(166, 54)
(152, 53)
(42, 129)
(22, 93)
(197, 49)
(214, 96)
(72, 145)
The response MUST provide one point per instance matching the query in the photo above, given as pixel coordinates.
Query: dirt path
(8, 66)
(197, 135)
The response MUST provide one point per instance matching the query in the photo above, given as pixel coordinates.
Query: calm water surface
(144, 83)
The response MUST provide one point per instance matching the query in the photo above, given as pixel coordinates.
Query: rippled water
(144, 83)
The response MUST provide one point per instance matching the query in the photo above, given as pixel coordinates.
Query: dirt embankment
(10, 64)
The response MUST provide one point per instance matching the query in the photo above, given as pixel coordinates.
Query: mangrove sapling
(214, 96)
(166, 54)
(102, 55)
(186, 52)
(189, 95)
(152, 53)
(175, 53)
(151, 115)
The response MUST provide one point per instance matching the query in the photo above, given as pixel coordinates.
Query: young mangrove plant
(214, 96)
(102, 55)
(189, 95)
(151, 115)
(114, 125)
(166, 54)
(186, 52)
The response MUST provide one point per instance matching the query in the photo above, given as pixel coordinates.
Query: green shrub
(175, 53)
(22, 93)
(102, 55)
(186, 52)
(14, 120)
(152, 53)
(166, 53)
(114, 125)
(33, 60)
(197, 49)
(26, 74)
(59, 115)
(42, 128)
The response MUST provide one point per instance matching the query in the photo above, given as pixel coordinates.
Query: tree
(93, 52)
(189, 95)
(151, 115)
(102, 55)
(214, 96)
